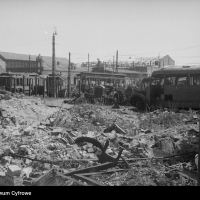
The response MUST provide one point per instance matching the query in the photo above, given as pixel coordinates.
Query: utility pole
(69, 76)
(88, 63)
(53, 65)
(113, 63)
(29, 63)
(117, 61)
(98, 64)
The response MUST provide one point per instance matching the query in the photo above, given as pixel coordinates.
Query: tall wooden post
(88, 63)
(56, 89)
(53, 67)
(117, 61)
(29, 63)
(113, 63)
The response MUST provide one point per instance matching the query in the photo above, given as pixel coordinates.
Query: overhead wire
(119, 55)
(25, 43)
(162, 51)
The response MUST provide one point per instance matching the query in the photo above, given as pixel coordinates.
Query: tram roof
(18, 73)
(180, 69)
(101, 74)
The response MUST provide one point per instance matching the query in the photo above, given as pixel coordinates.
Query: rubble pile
(95, 145)
(24, 111)
(5, 95)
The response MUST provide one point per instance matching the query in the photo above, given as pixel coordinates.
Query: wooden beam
(24, 84)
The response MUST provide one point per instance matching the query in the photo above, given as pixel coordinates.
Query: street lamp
(53, 62)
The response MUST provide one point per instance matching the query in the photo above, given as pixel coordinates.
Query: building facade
(166, 60)
(20, 63)
(42, 65)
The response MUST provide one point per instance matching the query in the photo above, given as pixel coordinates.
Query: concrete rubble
(38, 141)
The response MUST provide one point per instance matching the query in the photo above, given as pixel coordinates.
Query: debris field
(95, 145)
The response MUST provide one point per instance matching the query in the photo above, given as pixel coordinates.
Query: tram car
(60, 86)
(18, 82)
(105, 87)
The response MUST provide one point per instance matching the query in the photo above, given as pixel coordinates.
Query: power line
(161, 51)
(186, 57)
(25, 43)
(84, 54)
(108, 54)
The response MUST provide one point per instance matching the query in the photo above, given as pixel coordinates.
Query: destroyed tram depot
(119, 127)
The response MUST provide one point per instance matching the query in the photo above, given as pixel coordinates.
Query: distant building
(165, 60)
(159, 63)
(141, 66)
(42, 65)
(19, 62)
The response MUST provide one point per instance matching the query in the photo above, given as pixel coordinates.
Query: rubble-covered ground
(52, 144)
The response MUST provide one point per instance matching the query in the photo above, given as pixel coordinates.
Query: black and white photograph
(99, 93)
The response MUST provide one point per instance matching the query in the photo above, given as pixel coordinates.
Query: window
(194, 79)
(170, 80)
(182, 80)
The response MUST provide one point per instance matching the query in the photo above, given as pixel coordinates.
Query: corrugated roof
(61, 68)
(16, 56)
(126, 71)
(63, 62)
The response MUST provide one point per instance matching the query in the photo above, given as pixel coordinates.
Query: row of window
(20, 65)
(181, 80)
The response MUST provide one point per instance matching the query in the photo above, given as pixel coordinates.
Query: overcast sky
(136, 28)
